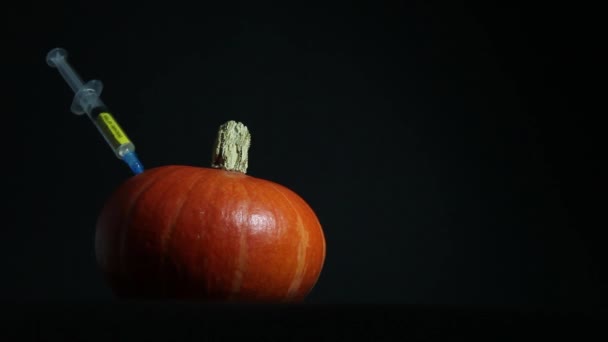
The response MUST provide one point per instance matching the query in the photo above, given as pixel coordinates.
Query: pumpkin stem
(231, 147)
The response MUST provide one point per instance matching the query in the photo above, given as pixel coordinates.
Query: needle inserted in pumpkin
(87, 100)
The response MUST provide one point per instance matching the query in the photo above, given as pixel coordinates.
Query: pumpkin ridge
(300, 251)
(129, 217)
(243, 257)
(171, 228)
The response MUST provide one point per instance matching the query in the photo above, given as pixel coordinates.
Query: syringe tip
(137, 168)
(55, 55)
(131, 159)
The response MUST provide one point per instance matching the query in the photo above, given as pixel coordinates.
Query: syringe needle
(87, 100)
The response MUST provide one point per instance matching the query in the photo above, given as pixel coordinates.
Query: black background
(450, 151)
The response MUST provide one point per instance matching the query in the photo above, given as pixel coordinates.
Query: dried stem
(231, 147)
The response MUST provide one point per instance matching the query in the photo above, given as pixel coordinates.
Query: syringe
(87, 100)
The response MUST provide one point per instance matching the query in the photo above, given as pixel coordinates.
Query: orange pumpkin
(183, 232)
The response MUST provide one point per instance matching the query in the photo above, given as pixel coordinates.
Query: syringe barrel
(116, 138)
(111, 131)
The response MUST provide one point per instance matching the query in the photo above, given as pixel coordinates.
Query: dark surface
(449, 152)
(144, 321)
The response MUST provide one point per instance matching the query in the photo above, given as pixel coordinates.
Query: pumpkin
(214, 234)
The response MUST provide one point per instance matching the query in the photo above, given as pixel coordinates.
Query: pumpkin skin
(183, 232)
